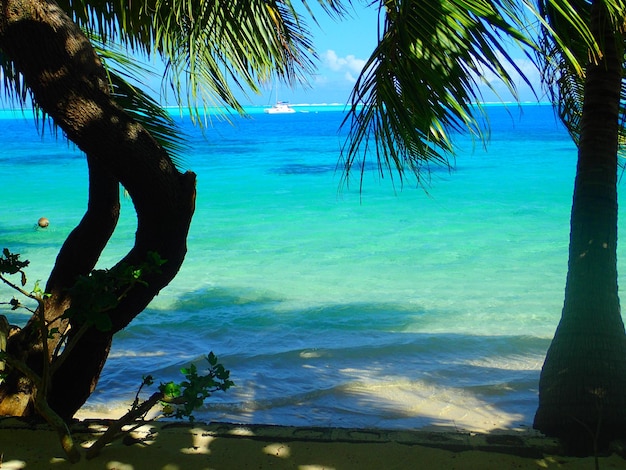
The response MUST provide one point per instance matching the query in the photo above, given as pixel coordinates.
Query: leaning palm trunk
(582, 389)
(69, 83)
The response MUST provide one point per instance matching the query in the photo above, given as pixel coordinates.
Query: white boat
(281, 107)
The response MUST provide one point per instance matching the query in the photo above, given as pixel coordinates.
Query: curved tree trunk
(68, 82)
(582, 389)
(78, 256)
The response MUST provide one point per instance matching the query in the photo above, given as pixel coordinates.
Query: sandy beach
(177, 446)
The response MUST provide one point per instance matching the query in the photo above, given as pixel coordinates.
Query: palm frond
(336, 9)
(13, 86)
(125, 75)
(421, 83)
(564, 26)
(231, 45)
(119, 21)
(210, 47)
(564, 48)
(565, 88)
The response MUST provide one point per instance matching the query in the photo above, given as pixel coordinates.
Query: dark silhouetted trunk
(582, 389)
(68, 82)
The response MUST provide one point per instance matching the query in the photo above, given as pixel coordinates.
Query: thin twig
(116, 427)
(14, 286)
(51, 417)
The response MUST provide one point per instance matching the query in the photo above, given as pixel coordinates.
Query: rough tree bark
(582, 388)
(68, 82)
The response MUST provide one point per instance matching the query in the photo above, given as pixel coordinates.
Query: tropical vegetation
(579, 47)
(66, 57)
(419, 86)
(582, 389)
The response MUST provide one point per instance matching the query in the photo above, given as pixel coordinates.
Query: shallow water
(389, 307)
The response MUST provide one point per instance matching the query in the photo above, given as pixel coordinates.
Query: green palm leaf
(421, 82)
(210, 47)
(564, 47)
(15, 91)
(124, 73)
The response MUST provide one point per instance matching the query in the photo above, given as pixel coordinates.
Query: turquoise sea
(389, 307)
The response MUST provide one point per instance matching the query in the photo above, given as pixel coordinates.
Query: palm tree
(414, 94)
(582, 389)
(448, 45)
(47, 52)
(421, 84)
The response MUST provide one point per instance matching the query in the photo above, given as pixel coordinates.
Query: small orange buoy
(43, 222)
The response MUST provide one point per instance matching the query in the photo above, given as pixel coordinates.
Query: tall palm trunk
(582, 388)
(69, 83)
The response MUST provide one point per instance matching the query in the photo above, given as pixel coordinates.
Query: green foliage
(147, 380)
(210, 49)
(38, 291)
(94, 295)
(10, 264)
(565, 46)
(421, 83)
(181, 399)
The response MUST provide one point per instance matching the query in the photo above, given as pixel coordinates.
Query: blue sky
(344, 45)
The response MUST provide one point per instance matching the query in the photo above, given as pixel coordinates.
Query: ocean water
(389, 307)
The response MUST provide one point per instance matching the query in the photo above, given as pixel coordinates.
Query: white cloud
(349, 77)
(349, 64)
